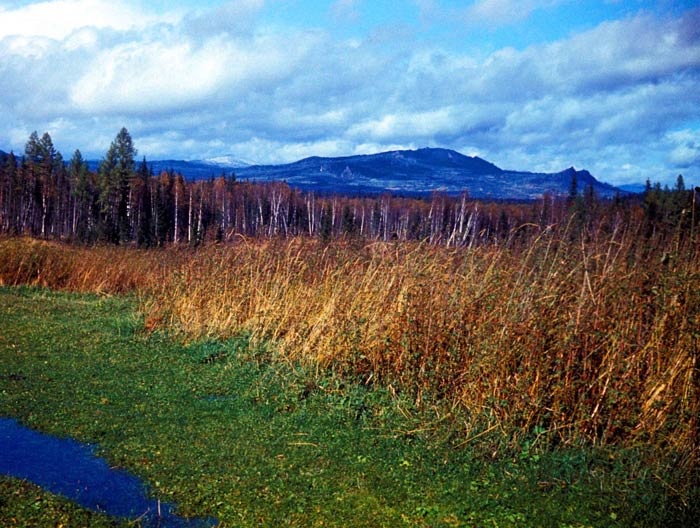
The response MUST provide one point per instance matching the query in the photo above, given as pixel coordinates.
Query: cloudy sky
(610, 86)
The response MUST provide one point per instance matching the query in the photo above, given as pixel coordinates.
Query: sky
(610, 86)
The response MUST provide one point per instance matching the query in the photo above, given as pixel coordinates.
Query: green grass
(233, 432)
(23, 504)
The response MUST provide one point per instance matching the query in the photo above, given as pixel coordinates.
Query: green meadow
(227, 429)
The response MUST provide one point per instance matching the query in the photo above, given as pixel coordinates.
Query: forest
(123, 202)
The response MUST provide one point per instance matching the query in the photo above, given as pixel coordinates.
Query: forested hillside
(123, 201)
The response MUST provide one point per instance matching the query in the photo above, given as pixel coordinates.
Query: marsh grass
(23, 504)
(584, 341)
(225, 428)
(569, 338)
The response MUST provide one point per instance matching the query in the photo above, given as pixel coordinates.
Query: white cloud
(685, 146)
(83, 38)
(141, 78)
(406, 125)
(232, 17)
(174, 74)
(624, 52)
(57, 19)
(285, 152)
(221, 82)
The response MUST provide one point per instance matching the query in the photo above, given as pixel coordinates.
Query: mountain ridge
(417, 172)
(421, 172)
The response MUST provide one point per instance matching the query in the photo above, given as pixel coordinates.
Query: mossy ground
(228, 431)
(22, 505)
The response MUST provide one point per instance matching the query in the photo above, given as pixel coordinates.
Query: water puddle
(71, 469)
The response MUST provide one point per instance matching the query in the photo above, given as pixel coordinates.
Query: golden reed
(589, 340)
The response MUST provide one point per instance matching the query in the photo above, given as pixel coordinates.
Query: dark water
(71, 469)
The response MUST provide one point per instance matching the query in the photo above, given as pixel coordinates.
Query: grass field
(223, 431)
(288, 382)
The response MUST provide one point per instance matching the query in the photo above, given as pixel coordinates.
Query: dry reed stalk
(589, 339)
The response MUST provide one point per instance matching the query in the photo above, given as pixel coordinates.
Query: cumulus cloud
(171, 74)
(614, 99)
(626, 52)
(406, 125)
(57, 19)
(685, 151)
(232, 17)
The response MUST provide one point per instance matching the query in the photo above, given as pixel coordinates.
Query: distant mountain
(634, 188)
(407, 172)
(227, 161)
(191, 170)
(421, 172)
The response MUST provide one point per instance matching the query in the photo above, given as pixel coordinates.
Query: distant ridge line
(419, 172)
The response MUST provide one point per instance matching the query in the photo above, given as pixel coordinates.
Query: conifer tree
(144, 227)
(115, 175)
(40, 180)
(84, 199)
(9, 195)
(108, 196)
(126, 173)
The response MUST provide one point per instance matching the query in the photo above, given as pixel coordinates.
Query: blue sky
(540, 85)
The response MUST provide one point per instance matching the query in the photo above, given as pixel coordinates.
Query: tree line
(124, 202)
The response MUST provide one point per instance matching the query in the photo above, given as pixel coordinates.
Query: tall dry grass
(101, 269)
(591, 338)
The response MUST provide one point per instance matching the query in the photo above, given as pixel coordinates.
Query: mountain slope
(419, 172)
(191, 170)
(407, 172)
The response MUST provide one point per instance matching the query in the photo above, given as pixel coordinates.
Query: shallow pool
(71, 469)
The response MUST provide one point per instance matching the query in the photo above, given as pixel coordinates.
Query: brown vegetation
(583, 338)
